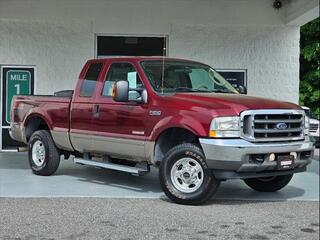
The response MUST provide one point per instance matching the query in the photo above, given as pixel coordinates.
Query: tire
(177, 161)
(269, 184)
(46, 160)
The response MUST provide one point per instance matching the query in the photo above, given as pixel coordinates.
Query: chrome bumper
(234, 155)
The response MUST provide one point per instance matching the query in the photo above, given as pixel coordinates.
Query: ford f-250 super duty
(129, 113)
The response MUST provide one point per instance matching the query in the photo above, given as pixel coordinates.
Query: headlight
(225, 127)
(306, 125)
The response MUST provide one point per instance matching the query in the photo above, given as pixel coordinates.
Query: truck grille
(272, 125)
(314, 127)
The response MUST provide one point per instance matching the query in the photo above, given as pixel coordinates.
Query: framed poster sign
(235, 76)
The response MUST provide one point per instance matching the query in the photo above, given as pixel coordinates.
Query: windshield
(185, 77)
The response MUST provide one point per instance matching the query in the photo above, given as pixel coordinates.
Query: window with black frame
(107, 46)
(90, 80)
(122, 71)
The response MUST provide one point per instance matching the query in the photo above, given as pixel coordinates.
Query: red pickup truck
(182, 116)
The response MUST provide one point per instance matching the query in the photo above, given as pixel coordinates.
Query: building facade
(57, 37)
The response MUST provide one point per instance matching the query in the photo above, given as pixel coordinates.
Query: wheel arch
(171, 137)
(33, 123)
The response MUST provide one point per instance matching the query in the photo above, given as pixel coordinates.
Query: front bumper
(232, 158)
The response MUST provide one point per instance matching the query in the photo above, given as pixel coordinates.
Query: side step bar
(140, 168)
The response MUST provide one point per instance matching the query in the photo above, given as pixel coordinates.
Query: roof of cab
(140, 58)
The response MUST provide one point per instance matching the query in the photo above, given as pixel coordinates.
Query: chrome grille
(272, 125)
(314, 127)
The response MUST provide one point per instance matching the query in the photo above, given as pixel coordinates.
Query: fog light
(306, 155)
(294, 154)
(257, 158)
(272, 157)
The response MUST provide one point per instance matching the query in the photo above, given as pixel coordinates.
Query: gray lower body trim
(129, 149)
(17, 132)
(234, 154)
(61, 139)
(149, 150)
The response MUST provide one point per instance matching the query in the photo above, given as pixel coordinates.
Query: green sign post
(17, 82)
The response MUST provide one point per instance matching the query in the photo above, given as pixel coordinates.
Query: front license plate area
(285, 162)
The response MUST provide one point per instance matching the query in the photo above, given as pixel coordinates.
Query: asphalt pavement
(105, 218)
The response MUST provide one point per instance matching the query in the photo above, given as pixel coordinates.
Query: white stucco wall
(270, 53)
(58, 37)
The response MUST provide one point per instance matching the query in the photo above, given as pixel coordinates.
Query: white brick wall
(58, 37)
(57, 50)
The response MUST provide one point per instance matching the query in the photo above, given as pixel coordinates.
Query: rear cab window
(90, 80)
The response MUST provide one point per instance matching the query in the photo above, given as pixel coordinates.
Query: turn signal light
(212, 133)
(114, 90)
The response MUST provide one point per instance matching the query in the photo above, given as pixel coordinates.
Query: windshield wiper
(183, 89)
(186, 89)
(221, 91)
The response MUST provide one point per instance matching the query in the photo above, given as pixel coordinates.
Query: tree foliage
(310, 66)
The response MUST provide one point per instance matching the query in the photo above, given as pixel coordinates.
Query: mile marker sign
(15, 81)
(18, 83)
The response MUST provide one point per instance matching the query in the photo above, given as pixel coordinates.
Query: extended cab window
(90, 80)
(122, 71)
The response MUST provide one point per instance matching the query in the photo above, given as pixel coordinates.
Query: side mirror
(142, 95)
(121, 91)
(240, 88)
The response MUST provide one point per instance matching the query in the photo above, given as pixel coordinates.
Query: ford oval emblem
(281, 126)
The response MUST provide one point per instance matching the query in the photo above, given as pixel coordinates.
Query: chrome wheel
(187, 175)
(38, 153)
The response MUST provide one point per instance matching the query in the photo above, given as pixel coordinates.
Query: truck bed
(55, 110)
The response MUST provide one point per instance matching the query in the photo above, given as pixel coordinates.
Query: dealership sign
(15, 80)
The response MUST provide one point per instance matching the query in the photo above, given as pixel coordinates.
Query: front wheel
(185, 177)
(268, 184)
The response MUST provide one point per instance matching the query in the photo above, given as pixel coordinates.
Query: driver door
(120, 126)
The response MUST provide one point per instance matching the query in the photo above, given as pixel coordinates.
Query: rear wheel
(185, 177)
(43, 155)
(268, 184)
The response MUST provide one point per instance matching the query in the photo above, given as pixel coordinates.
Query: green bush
(310, 66)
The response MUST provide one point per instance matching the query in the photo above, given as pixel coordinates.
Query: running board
(140, 168)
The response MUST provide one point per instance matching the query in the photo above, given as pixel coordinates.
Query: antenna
(163, 55)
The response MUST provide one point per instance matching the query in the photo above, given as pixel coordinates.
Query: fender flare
(183, 122)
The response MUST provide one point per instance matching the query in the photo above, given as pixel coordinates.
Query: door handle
(95, 110)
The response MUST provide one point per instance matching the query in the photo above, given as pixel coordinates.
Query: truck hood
(237, 103)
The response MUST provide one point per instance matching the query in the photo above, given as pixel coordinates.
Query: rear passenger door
(82, 110)
(120, 127)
